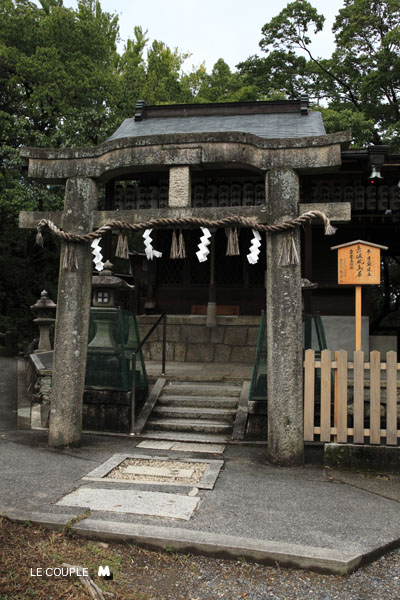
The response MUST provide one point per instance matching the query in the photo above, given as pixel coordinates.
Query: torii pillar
(72, 319)
(284, 327)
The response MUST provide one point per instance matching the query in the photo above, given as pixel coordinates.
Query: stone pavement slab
(231, 547)
(193, 447)
(156, 445)
(183, 446)
(156, 504)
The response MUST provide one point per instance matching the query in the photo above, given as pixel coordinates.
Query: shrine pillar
(72, 321)
(284, 326)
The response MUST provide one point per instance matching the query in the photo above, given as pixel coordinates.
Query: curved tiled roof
(268, 126)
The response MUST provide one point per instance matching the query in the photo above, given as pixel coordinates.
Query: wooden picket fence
(348, 401)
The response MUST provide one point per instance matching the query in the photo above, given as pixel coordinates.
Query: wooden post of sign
(359, 263)
(358, 317)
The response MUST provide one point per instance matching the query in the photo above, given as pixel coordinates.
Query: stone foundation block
(353, 456)
(217, 335)
(243, 354)
(173, 333)
(235, 336)
(222, 353)
(180, 352)
(156, 351)
(194, 333)
(146, 351)
(200, 353)
(252, 335)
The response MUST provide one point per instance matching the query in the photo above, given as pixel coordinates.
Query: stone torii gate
(81, 170)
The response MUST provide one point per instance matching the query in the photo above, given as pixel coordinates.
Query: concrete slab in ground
(182, 446)
(156, 445)
(199, 542)
(206, 448)
(156, 504)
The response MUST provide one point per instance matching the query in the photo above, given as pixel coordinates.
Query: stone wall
(339, 331)
(234, 339)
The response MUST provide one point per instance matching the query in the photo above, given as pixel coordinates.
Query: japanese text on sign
(358, 264)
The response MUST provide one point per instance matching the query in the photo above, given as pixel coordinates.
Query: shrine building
(181, 287)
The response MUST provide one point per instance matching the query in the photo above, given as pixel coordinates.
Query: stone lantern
(45, 310)
(104, 286)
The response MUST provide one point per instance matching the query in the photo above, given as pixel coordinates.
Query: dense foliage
(63, 83)
(358, 87)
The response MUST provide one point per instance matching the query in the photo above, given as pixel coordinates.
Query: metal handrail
(260, 342)
(163, 317)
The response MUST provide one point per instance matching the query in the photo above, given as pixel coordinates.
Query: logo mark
(105, 572)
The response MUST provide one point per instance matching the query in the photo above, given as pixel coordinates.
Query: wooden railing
(351, 401)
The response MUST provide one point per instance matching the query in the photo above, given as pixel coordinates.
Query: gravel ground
(209, 579)
(140, 574)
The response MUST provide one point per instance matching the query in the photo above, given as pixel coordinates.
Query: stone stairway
(194, 411)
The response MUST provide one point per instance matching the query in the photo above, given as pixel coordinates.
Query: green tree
(132, 73)
(162, 84)
(58, 68)
(221, 85)
(358, 86)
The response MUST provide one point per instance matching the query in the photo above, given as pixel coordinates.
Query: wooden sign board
(359, 263)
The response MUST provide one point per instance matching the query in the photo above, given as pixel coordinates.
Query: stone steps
(193, 412)
(187, 410)
(198, 401)
(182, 436)
(190, 425)
(201, 389)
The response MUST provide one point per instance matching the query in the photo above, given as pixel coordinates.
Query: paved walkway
(240, 506)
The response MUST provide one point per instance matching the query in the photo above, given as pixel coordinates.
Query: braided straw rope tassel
(174, 246)
(181, 245)
(232, 247)
(70, 261)
(289, 255)
(122, 249)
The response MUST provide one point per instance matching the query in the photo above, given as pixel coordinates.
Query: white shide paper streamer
(254, 248)
(205, 241)
(97, 255)
(148, 248)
